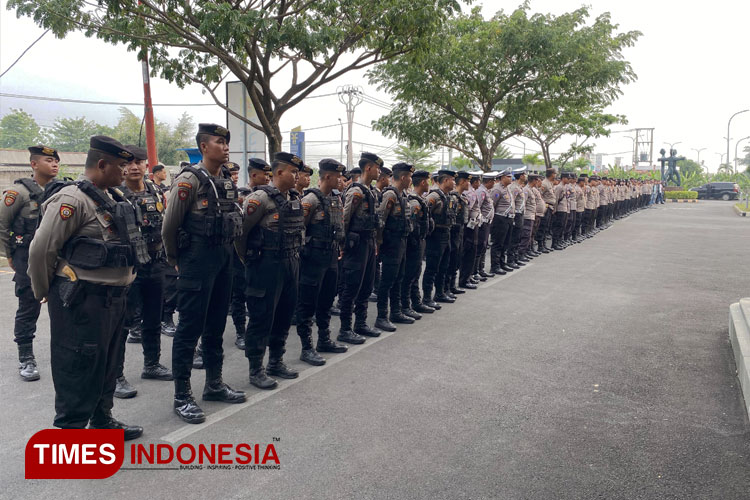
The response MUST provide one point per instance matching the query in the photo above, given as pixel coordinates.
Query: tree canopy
(19, 130)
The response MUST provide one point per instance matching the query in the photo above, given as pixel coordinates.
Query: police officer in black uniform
(323, 212)
(270, 243)
(201, 222)
(437, 250)
(421, 225)
(81, 261)
(461, 203)
(148, 286)
(19, 214)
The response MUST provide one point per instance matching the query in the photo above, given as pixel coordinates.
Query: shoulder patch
(185, 185)
(66, 211)
(252, 206)
(10, 197)
(183, 193)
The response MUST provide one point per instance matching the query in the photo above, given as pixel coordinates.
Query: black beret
(258, 164)
(139, 152)
(355, 171)
(306, 169)
(386, 171)
(533, 177)
(331, 165)
(583, 175)
(370, 158)
(549, 172)
(582, 179)
(452, 173)
(403, 167)
(463, 174)
(44, 151)
(605, 178)
(110, 146)
(419, 176)
(214, 129)
(232, 166)
(288, 158)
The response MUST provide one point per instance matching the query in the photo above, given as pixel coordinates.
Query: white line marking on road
(186, 430)
(494, 281)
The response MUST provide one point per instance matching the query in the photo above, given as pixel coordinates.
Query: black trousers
(392, 256)
(272, 298)
(528, 227)
(170, 292)
(456, 256)
(578, 223)
(146, 290)
(468, 259)
(28, 310)
(85, 342)
(358, 266)
(558, 226)
(484, 237)
(410, 292)
(318, 276)
(570, 223)
(515, 237)
(600, 215)
(544, 227)
(238, 302)
(204, 286)
(437, 254)
(588, 220)
(500, 231)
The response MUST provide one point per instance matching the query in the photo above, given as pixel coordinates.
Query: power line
(82, 101)
(23, 53)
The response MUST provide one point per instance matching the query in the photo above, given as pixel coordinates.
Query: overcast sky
(692, 66)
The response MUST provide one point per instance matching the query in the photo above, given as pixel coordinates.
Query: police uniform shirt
(486, 207)
(186, 195)
(517, 198)
(435, 202)
(529, 212)
(356, 204)
(570, 193)
(541, 206)
(501, 200)
(259, 209)
(561, 198)
(389, 205)
(591, 199)
(475, 215)
(69, 213)
(17, 202)
(548, 193)
(602, 194)
(580, 199)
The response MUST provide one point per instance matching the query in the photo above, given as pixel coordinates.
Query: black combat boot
(258, 375)
(168, 327)
(105, 420)
(278, 368)
(361, 328)
(216, 390)
(411, 313)
(400, 317)
(381, 322)
(310, 355)
(198, 357)
(135, 335)
(184, 404)
(27, 363)
(469, 285)
(423, 308)
(325, 344)
(347, 335)
(156, 371)
(123, 389)
(239, 342)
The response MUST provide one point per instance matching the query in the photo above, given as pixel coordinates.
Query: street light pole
(728, 124)
(672, 145)
(699, 153)
(341, 153)
(735, 151)
(721, 160)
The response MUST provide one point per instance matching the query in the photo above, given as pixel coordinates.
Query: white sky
(692, 66)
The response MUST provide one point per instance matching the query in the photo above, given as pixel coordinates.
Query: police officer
(395, 218)
(81, 261)
(580, 206)
(201, 222)
(519, 201)
(486, 208)
(303, 178)
(159, 175)
(324, 221)
(421, 226)
(561, 212)
(502, 223)
(383, 182)
(529, 214)
(547, 189)
(272, 234)
(541, 211)
(19, 216)
(146, 291)
(358, 262)
(471, 234)
(461, 202)
(437, 251)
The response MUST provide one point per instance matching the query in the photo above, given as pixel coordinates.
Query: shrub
(681, 195)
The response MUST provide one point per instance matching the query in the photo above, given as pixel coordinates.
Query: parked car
(715, 190)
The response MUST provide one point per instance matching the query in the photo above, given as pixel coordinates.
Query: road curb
(682, 201)
(739, 335)
(739, 212)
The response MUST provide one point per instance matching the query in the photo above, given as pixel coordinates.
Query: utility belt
(322, 244)
(89, 253)
(69, 290)
(186, 239)
(442, 227)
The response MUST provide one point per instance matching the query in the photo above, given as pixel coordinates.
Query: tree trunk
(545, 154)
(274, 141)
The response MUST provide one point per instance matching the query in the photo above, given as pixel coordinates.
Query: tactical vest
(328, 233)
(221, 222)
(462, 209)
(288, 236)
(129, 249)
(368, 222)
(421, 224)
(447, 217)
(23, 228)
(149, 202)
(398, 225)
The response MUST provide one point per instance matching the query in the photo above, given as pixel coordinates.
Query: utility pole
(341, 153)
(735, 152)
(148, 111)
(350, 96)
(728, 124)
(699, 153)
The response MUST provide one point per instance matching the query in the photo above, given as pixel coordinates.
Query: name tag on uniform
(295, 205)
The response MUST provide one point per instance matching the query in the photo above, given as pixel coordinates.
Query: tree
(532, 159)
(689, 167)
(591, 72)
(73, 134)
(130, 130)
(19, 130)
(502, 152)
(417, 156)
(260, 42)
(463, 163)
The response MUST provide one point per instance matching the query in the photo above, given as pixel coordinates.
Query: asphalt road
(603, 371)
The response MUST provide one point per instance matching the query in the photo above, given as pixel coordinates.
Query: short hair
(201, 138)
(442, 177)
(276, 164)
(93, 157)
(416, 181)
(401, 173)
(157, 168)
(33, 157)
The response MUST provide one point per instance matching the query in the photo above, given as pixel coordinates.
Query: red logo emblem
(74, 453)
(66, 211)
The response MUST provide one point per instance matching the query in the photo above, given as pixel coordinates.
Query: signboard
(247, 141)
(599, 161)
(297, 143)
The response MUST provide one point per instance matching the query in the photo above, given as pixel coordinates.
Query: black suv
(715, 190)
